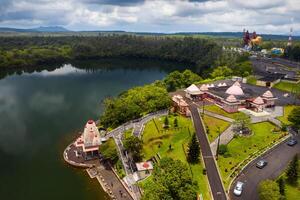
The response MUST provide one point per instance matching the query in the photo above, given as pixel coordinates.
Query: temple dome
(258, 101)
(268, 94)
(235, 90)
(231, 99)
(237, 84)
(203, 87)
(193, 89)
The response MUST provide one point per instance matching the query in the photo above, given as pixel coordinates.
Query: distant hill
(52, 29)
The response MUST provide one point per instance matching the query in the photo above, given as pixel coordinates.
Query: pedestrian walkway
(225, 138)
(212, 114)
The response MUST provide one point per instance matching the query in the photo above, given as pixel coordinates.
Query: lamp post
(219, 132)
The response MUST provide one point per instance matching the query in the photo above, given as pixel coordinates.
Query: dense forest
(32, 51)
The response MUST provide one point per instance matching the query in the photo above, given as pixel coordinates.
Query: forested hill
(32, 51)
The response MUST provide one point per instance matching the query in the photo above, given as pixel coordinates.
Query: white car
(238, 188)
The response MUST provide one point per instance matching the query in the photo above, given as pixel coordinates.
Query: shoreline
(94, 171)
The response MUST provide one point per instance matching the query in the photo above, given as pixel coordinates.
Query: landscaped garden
(242, 148)
(213, 126)
(216, 109)
(287, 111)
(172, 142)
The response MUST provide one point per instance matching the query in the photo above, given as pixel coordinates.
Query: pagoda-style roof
(231, 99)
(258, 101)
(268, 94)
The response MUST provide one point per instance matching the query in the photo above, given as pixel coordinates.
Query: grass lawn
(213, 124)
(286, 86)
(157, 140)
(251, 80)
(243, 146)
(216, 109)
(287, 111)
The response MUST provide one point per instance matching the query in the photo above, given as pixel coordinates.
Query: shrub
(222, 149)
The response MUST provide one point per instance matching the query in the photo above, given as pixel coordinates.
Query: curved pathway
(278, 159)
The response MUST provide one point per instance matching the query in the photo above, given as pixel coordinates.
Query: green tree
(109, 150)
(268, 190)
(223, 149)
(193, 150)
(170, 180)
(242, 123)
(175, 122)
(222, 71)
(294, 117)
(292, 171)
(281, 185)
(135, 146)
(166, 122)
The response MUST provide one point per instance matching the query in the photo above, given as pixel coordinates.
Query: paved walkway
(210, 165)
(225, 138)
(111, 183)
(221, 117)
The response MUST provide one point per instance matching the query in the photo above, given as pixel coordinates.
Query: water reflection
(38, 108)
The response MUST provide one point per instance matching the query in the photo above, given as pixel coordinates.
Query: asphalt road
(278, 159)
(211, 168)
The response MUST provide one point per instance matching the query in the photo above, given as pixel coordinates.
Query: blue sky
(263, 16)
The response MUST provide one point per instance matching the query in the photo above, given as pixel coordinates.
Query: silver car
(238, 188)
(261, 164)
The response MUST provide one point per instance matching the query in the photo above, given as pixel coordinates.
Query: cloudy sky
(264, 16)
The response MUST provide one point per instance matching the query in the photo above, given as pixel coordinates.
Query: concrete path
(225, 138)
(214, 179)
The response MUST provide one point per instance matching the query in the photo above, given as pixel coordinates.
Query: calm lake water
(40, 112)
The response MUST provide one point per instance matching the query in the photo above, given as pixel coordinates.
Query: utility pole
(219, 132)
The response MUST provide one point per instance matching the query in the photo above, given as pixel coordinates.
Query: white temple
(90, 138)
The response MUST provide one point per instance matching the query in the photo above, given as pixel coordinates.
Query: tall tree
(193, 150)
(170, 180)
(242, 122)
(292, 171)
(294, 117)
(166, 122)
(175, 122)
(281, 185)
(268, 190)
(135, 146)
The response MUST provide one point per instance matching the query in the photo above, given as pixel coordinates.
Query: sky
(262, 16)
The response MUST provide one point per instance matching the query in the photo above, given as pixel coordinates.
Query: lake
(41, 111)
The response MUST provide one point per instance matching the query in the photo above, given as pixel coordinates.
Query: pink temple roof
(235, 90)
(268, 94)
(231, 98)
(258, 101)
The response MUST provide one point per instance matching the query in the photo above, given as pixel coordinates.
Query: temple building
(89, 141)
(193, 92)
(234, 97)
(180, 105)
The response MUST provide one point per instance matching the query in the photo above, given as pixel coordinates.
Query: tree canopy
(109, 150)
(132, 104)
(135, 146)
(171, 180)
(294, 117)
(30, 51)
(268, 190)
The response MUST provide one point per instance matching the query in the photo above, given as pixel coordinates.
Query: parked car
(261, 164)
(292, 142)
(238, 188)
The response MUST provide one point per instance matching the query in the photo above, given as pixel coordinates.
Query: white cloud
(155, 15)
